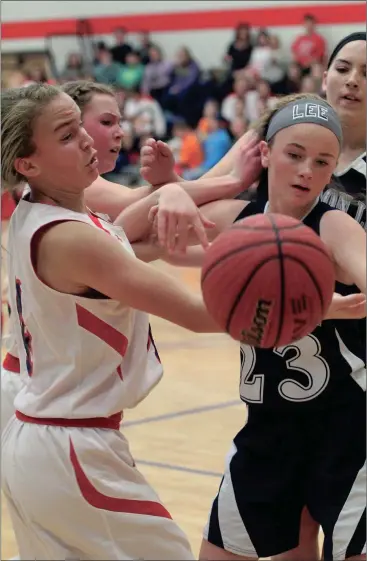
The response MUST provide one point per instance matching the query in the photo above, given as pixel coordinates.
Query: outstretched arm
(241, 162)
(73, 256)
(111, 198)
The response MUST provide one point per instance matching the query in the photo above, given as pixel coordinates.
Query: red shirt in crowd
(307, 49)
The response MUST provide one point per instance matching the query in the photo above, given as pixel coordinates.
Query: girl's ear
(264, 152)
(26, 167)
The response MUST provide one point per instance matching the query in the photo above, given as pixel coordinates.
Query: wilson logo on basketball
(255, 334)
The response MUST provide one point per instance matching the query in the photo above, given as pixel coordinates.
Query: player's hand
(157, 163)
(352, 306)
(247, 165)
(176, 218)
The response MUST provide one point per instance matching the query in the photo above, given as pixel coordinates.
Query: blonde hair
(82, 91)
(20, 108)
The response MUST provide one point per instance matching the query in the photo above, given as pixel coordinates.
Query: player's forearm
(174, 178)
(193, 257)
(164, 296)
(206, 190)
(148, 252)
(134, 219)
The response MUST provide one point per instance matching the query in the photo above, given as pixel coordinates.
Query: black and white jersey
(353, 181)
(320, 370)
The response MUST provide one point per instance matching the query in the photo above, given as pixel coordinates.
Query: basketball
(268, 280)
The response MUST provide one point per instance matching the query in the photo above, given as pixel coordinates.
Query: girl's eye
(294, 156)
(341, 70)
(67, 137)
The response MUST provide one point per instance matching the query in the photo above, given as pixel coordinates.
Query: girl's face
(294, 72)
(102, 121)
(211, 109)
(64, 159)
(300, 161)
(345, 83)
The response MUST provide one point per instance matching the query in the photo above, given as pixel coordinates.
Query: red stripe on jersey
(112, 422)
(98, 223)
(113, 504)
(102, 330)
(11, 363)
(119, 372)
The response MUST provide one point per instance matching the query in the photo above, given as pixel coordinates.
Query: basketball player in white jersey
(79, 297)
(246, 523)
(102, 121)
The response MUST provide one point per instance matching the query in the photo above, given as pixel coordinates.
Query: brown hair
(261, 127)
(82, 91)
(20, 108)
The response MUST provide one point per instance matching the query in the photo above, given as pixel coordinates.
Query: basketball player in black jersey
(304, 441)
(345, 88)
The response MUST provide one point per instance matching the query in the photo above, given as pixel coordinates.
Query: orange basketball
(268, 280)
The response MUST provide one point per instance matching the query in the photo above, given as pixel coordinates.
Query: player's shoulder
(315, 216)
(251, 208)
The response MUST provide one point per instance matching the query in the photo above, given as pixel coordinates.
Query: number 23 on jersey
(306, 360)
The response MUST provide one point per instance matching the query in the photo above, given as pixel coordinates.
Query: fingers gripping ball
(268, 280)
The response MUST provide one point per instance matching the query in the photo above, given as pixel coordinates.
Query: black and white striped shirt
(353, 181)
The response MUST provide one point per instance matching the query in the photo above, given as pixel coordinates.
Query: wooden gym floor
(181, 433)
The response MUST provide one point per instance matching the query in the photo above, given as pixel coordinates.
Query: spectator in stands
(239, 51)
(36, 74)
(259, 100)
(317, 73)
(274, 72)
(241, 87)
(215, 146)
(291, 83)
(157, 75)
(105, 70)
(74, 68)
(180, 98)
(185, 72)
(144, 113)
(310, 46)
(238, 128)
(262, 53)
(145, 44)
(122, 48)
(131, 73)
(190, 154)
(211, 109)
(308, 85)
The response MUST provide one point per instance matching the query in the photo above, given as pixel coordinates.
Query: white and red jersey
(85, 357)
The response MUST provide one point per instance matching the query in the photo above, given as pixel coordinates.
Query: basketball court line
(182, 413)
(173, 467)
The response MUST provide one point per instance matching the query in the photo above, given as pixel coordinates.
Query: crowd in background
(199, 112)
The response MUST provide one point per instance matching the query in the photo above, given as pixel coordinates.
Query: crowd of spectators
(199, 112)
